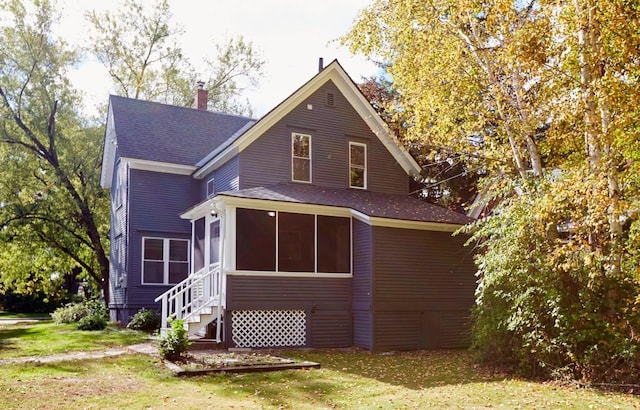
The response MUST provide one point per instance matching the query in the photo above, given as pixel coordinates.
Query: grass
(12, 315)
(45, 338)
(348, 379)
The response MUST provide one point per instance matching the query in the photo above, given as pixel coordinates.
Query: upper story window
(164, 261)
(357, 165)
(211, 187)
(300, 157)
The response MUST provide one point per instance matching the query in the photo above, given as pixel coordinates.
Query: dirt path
(148, 348)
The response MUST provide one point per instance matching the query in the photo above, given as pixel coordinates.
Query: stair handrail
(198, 291)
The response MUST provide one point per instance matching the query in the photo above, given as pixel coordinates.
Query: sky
(290, 35)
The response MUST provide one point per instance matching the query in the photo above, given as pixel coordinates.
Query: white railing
(189, 297)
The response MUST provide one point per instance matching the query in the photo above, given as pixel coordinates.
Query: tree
(140, 49)
(53, 213)
(540, 95)
(444, 179)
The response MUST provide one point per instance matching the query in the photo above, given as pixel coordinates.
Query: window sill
(289, 274)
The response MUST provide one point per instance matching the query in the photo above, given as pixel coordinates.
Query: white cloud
(290, 34)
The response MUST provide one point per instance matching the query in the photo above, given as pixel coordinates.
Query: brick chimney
(200, 101)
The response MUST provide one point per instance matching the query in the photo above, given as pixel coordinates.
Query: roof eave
(348, 88)
(109, 151)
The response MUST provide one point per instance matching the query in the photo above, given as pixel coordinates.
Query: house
(292, 230)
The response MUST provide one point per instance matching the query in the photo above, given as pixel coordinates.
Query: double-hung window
(164, 261)
(300, 157)
(357, 165)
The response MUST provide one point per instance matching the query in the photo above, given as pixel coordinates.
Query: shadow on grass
(413, 370)
(284, 389)
(10, 336)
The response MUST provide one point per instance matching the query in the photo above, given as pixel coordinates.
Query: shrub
(92, 322)
(89, 315)
(145, 320)
(175, 343)
(70, 313)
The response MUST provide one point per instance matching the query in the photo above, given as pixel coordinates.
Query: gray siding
(423, 289)
(226, 178)
(362, 271)
(118, 239)
(157, 199)
(267, 160)
(199, 244)
(326, 301)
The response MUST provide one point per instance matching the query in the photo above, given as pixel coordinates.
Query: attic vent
(331, 100)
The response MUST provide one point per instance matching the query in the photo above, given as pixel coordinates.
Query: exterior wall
(423, 290)
(267, 160)
(156, 200)
(118, 239)
(362, 280)
(198, 244)
(226, 178)
(326, 302)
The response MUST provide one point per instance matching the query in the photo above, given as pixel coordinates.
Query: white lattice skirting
(268, 328)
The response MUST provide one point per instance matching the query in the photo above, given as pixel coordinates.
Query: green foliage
(92, 322)
(71, 313)
(146, 320)
(175, 343)
(539, 96)
(547, 303)
(88, 315)
(53, 214)
(33, 302)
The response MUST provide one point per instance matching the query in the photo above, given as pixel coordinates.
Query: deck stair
(197, 300)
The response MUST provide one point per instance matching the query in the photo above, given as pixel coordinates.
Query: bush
(145, 320)
(176, 342)
(70, 313)
(92, 322)
(89, 315)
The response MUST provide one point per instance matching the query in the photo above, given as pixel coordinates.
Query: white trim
(109, 153)
(289, 274)
(165, 259)
(157, 166)
(294, 207)
(364, 167)
(294, 157)
(404, 224)
(345, 85)
(326, 210)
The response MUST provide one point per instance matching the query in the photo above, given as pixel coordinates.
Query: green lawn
(44, 338)
(348, 379)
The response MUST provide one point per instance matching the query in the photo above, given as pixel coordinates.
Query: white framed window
(357, 165)
(300, 157)
(211, 187)
(165, 261)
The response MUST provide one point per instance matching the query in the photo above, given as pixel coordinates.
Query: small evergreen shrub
(176, 342)
(145, 320)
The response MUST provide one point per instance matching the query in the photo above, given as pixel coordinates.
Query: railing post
(165, 313)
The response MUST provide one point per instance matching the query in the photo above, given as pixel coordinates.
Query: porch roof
(372, 204)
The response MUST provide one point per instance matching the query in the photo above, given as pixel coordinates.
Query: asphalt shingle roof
(372, 204)
(159, 132)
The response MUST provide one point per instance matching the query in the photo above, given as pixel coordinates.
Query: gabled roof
(151, 131)
(167, 133)
(371, 204)
(348, 88)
